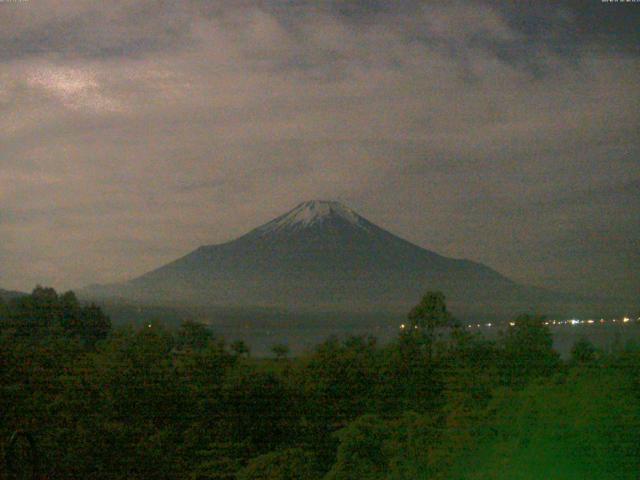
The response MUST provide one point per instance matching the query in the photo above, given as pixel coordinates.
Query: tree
(280, 351)
(526, 351)
(70, 309)
(4, 309)
(94, 325)
(468, 372)
(218, 461)
(289, 464)
(128, 405)
(339, 378)
(583, 351)
(193, 335)
(4, 315)
(258, 409)
(361, 453)
(37, 313)
(585, 426)
(44, 313)
(411, 446)
(426, 316)
(240, 348)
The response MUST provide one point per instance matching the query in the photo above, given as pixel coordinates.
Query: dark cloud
(91, 29)
(135, 131)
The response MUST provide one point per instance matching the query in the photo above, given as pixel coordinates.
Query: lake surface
(261, 329)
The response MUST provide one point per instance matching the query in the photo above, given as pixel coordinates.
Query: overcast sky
(132, 132)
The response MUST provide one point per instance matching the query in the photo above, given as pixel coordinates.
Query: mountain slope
(323, 255)
(7, 295)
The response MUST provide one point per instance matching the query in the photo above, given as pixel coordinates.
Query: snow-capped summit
(311, 213)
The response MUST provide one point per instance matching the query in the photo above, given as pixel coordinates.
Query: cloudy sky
(131, 132)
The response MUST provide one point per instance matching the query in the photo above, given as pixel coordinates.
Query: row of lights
(573, 321)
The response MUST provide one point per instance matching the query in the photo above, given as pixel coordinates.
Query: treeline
(438, 403)
(45, 313)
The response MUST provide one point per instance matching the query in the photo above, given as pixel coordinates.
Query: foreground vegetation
(438, 403)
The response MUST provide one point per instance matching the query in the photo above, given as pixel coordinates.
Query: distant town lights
(572, 322)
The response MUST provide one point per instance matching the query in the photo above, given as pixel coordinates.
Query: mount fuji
(324, 256)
